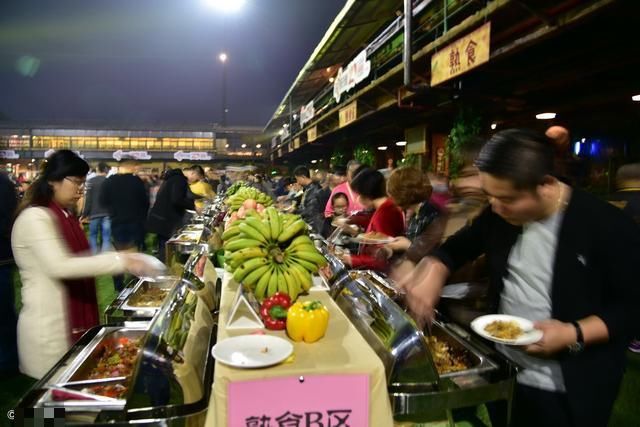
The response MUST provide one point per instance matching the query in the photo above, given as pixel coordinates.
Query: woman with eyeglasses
(56, 266)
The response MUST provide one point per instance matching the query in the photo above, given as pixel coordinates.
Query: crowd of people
(510, 221)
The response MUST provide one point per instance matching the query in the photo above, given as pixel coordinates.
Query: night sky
(152, 61)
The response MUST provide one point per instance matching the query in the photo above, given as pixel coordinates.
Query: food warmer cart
(159, 373)
(430, 372)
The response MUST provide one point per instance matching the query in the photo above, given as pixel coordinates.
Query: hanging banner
(9, 154)
(312, 134)
(348, 114)
(296, 143)
(347, 78)
(462, 55)
(135, 155)
(193, 155)
(306, 113)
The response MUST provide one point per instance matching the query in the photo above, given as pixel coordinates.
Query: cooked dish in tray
(117, 359)
(506, 330)
(151, 297)
(445, 357)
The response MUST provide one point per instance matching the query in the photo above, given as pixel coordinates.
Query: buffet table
(342, 351)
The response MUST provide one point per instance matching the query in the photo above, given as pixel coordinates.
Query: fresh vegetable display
(271, 252)
(273, 311)
(307, 321)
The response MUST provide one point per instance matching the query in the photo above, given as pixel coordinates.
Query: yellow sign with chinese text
(296, 143)
(349, 114)
(461, 55)
(312, 134)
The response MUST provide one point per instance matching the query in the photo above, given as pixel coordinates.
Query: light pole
(223, 59)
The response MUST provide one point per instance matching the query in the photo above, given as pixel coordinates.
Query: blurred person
(410, 189)
(345, 187)
(56, 268)
(212, 178)
(8, 319)
(95, 212)
(260, 183)
(172, 202)
(440, 194)
(627, 198)
(225, 183)
(559, 257)
(309, 209)
(23, 187)
(339, 202)
(337, 177)
(125, 197)
(370, 189)
(198, 186)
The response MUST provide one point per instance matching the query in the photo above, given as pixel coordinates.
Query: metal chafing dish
(170, 383)
(470, 372)
(335, 274)
(140, 300)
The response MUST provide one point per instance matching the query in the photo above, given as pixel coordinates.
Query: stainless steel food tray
(80, 367)
(165, 283)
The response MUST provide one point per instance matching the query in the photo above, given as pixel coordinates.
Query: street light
(223, 59)
(226, 5)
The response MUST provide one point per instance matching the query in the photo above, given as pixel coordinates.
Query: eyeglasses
(80, 183)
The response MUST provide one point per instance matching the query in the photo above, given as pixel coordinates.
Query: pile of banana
(247, 193)
(271, 253)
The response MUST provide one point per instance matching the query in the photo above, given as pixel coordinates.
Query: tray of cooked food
(372, 238)
(148, 294)
(101, 374)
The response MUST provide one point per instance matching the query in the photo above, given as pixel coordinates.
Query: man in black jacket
(310, 208)
(8, 319)
(126, 198)
(172, 201)
(561, 258)
(98, 215)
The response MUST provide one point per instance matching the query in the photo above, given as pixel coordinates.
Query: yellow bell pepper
(307, 321)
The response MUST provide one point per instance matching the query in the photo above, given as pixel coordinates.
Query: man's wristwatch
(578, 346)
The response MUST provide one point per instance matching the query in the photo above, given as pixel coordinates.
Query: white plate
(248, 351)
(362, 239)
(529, 337)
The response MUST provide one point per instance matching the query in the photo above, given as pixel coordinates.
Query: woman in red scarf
(57, 271)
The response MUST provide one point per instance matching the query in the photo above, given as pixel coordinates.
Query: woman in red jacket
(387, 219)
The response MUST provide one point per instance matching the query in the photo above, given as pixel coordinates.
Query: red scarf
(82, 303)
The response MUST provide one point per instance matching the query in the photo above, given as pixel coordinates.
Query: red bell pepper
(273, 311)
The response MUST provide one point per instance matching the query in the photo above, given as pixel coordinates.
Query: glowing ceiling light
(636, 98)
(226, 5)
(223, 57)
(244, 146)
(331, 80)
(546, 116)
(493, 126)
(382, 148)
(259, 146)
(401, 143)
(314, 161)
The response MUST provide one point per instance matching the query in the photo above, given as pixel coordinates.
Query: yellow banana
(230, 232)
(301, 240)
(252, 232)
(247, 267)
(292, 230)
(260, 226)
(263, 283)
(238, 257)
(314, 257)
(282, 284)
(253, 276)
(304, 277)
(274, 221)
(273, 282)
(237, 244)
(293, 286)
(309, 266)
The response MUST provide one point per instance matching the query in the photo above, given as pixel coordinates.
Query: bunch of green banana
(236, 200)
(271, 253)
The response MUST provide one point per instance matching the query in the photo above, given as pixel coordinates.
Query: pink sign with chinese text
(306, 401)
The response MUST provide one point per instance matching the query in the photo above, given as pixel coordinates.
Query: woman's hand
(399, 244)
(142, 265)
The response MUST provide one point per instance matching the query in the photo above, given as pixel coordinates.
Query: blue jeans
(8, 322)
(100, 226)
